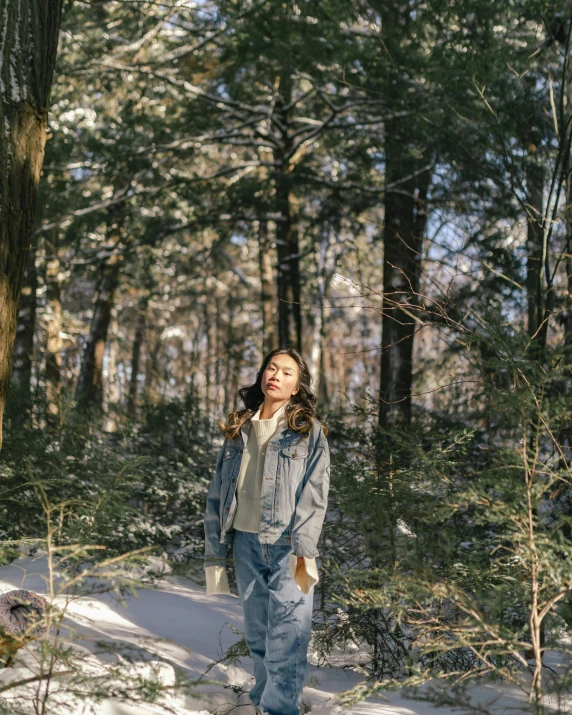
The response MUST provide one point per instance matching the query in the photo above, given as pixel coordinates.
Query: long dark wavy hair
(300, 410)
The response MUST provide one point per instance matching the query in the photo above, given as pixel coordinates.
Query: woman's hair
(301, 407)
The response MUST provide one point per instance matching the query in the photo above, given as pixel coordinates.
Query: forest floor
(173, 624)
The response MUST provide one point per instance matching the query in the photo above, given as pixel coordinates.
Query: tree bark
(534, 242)
(407, 177)
(568, 219)
(568, 320)
(325, 268)
(136, 353)
(54, 342)
(24, 344)
(288, 278)
(28, 45)
(152, 367)
(404, 228)
(90, 383)
(211, 351)
(267, 292)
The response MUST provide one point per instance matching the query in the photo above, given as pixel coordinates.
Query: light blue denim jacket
(294, 498)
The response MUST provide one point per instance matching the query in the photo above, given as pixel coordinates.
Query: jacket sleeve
(215, 552)
(313, 503)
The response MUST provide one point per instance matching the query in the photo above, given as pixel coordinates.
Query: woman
(268, 499)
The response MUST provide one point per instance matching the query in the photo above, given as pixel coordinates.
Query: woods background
(384, 186)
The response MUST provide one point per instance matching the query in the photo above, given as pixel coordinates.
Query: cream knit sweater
(247, 516)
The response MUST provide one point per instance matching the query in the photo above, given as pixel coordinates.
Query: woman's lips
(275, 387)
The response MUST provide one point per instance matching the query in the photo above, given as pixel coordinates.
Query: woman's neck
(268, 410)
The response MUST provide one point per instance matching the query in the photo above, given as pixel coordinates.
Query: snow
(172, 624)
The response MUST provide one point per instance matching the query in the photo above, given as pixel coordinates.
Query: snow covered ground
(173, 624)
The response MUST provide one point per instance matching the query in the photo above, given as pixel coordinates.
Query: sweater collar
(281, 423)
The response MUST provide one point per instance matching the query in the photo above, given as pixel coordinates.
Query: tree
(27, 60)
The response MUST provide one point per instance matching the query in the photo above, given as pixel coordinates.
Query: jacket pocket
(295, 451)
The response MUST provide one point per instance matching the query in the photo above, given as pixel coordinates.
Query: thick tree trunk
(54, 342)
(90, 383)
(136, 353)
(28, 44)
(267, 292)
(289, 314)
(24, 344)
(404, 228)
(534, 242)
(288, 278)
(407, 177)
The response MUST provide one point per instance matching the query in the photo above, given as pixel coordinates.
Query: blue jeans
(277, 623)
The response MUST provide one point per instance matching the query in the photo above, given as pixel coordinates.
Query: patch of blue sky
(239, 239)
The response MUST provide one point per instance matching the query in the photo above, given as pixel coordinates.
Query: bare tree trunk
(220, 340)
(152, 367)
(234, 384)
(534, 241)
(325, 372)
(289, 317)
(288, 279)
(210, 361)
(113, 391)
(326, 263)
(90, 383)
(405, 223)
(407, 177)
(24, 344)
(568, 322)
(136, 353)
(54, 340)
(568, 219)
(267, 293)
(28, 46)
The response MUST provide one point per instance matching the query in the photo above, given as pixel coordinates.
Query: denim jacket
(294, 497)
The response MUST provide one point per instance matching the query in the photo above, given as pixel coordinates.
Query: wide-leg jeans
(277, 623)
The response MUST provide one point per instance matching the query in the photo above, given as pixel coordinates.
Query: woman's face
(280, 379)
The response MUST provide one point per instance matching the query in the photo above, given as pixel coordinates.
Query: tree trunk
(267, 293)
(152, 367)
(90, 383)
(289, 315)
(211, 356)
(136, 353)
(29, 39)
(24, 344)
(54, 342)
(325, 268)
(568, 219)
(568, 320)
(289, 311)
(407, 177)
(325, 369)
(404, 228)
(534, 242)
